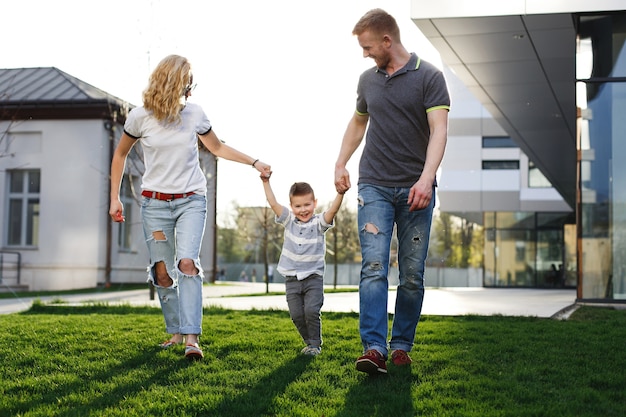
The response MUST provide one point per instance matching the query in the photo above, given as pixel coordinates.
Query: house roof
(49, 93)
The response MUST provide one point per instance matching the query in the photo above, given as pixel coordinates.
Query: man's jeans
(182, 223)
(379, 208)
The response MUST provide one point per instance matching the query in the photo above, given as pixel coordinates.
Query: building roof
(49, 93)
(522, 69)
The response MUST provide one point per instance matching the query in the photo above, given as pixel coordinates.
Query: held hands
(342, 180)
(263, 168)
(344, 189)
(265, 177)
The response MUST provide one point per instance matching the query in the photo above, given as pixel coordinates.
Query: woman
(173, 186)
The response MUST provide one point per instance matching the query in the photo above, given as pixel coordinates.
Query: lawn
(99, 360)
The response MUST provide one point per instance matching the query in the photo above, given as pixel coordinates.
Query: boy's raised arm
(277, 208)
(330, 214)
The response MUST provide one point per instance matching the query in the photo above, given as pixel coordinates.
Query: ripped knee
(375, 266)
(161, 276)
(159, 235)
(188, 267)
(371, 228)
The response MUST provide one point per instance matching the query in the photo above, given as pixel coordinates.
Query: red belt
(163, 196)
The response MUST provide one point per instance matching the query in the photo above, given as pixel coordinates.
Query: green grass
(99, 360)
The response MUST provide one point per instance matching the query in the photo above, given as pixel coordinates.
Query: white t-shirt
(171, 156)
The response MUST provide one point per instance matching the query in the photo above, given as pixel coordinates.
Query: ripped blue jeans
(174, 231)
(379, 209)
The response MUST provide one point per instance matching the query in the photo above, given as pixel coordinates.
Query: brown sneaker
(372, 362)
(400, 358)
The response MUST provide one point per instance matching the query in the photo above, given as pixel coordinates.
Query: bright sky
(277, 78)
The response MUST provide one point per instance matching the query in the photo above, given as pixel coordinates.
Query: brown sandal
(168, 344)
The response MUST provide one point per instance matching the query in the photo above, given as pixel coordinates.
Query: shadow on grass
(63, 398)
(62, 308)
(387, 395)
(39, 307)
(115, 384)
(67, 398)
(259, 399)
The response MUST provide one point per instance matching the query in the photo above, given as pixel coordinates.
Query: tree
(228, 247)
(466, 233)
(5, 138)
(456, 242)
(476, 253)
(441, 242)
(257, 238)
(261, 236)
(342, 242)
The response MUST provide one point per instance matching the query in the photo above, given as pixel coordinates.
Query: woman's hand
(263, 168)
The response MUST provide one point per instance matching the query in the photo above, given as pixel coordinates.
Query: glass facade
(548, 250)
(601, 97)
(529, 250)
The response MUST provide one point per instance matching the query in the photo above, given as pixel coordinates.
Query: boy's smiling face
(303, 206)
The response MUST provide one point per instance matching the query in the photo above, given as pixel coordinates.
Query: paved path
(437, 301)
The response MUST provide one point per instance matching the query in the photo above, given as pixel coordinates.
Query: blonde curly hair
(167, 84)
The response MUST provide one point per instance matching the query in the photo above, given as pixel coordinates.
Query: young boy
(302, 258)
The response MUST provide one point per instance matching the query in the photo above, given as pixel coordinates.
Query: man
(406, 102)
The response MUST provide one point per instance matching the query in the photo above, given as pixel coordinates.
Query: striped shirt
(304, 245)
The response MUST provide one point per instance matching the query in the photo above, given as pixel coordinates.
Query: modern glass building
(552, 74)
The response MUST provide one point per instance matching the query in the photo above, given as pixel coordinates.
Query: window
(126, 196)
(501, 164)
(498, 142)
(23, 209)
(602, 93)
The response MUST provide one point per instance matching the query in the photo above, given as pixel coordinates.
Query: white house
(57, 135)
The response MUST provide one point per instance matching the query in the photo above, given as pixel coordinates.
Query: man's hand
(342, 180)
(420, 195)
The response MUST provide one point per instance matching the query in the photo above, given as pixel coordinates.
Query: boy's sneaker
(311, 350)
(372, 362)
(400, 358)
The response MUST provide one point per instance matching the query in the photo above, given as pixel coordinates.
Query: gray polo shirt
(398, 132)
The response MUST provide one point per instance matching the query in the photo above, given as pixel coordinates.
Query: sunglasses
(190, 87)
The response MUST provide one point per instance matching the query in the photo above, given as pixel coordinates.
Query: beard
(382, 60)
